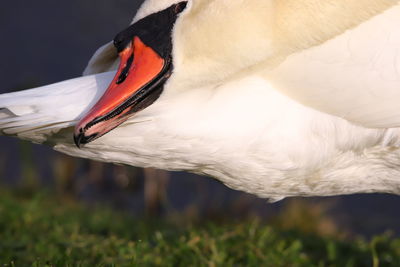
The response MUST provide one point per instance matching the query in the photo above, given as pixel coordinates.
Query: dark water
(46, 41)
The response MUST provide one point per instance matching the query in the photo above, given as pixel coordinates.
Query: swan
(275, 98)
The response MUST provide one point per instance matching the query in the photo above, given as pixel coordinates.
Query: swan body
(270, 106)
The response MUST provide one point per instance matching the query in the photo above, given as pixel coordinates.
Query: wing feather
(39, 114)
(355, 75)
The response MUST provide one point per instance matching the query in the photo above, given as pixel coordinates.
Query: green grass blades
(44, 230)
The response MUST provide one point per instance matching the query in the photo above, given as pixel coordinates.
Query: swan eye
(121, 41)
(118, 41)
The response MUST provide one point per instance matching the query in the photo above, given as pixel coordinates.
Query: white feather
(38, 114)
(355, 75)
(264, 114)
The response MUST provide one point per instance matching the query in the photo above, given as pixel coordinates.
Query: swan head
(173, 46)
(144, 51)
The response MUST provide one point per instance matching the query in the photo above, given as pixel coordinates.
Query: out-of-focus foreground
(90, 213)
(43, 229)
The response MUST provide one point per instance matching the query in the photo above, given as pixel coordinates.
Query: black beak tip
(78, 139)
(81, 139)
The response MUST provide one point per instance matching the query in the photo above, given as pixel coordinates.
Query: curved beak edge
(136, 85)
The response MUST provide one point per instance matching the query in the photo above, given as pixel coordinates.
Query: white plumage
(260, 106)
(355, 75)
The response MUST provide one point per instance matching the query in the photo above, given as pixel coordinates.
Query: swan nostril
(125, 71)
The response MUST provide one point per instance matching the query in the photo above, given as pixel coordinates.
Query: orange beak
(136, 85)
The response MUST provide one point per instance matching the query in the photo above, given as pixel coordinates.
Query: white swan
(275, 98)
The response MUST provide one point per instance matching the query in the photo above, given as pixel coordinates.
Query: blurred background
(45, 41)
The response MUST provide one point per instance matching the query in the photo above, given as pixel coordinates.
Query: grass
(45, 230)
